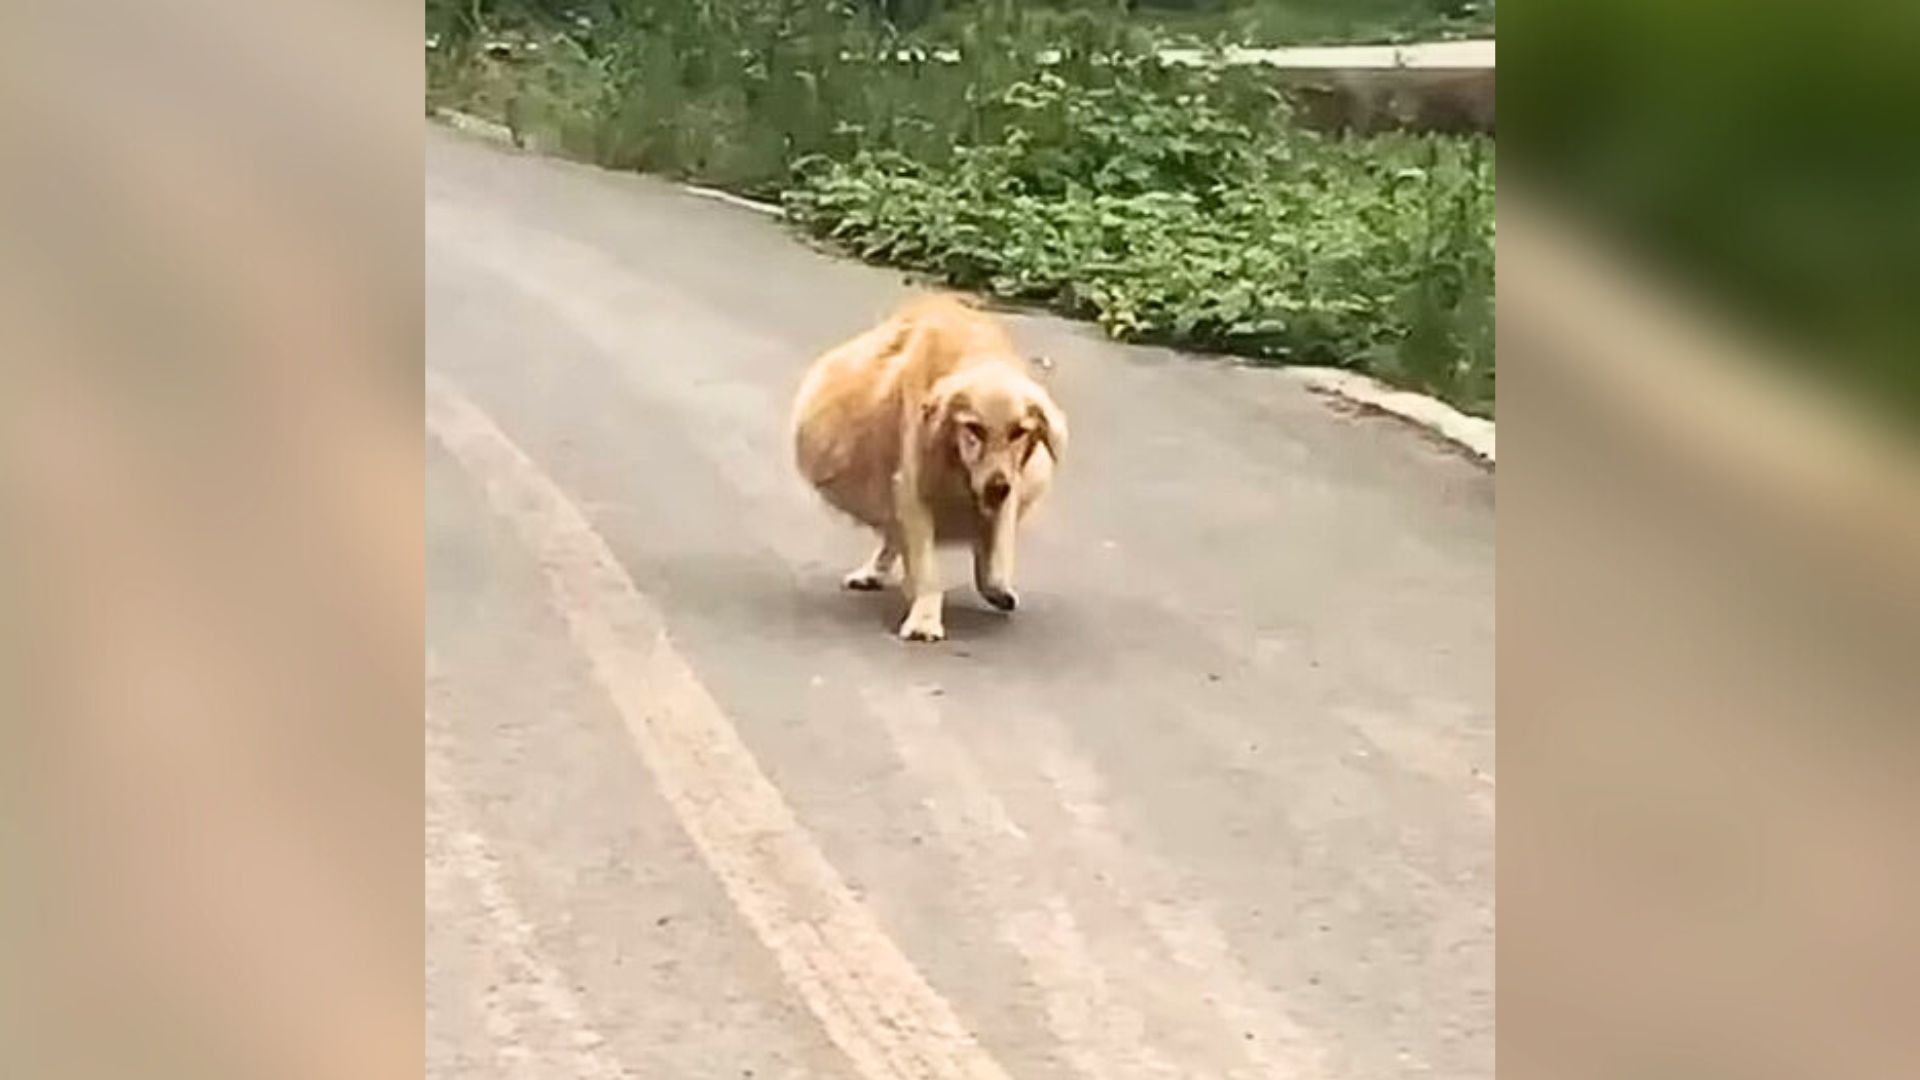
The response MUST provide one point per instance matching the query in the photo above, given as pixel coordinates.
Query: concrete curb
(741, 201)
(1474, 55)
(474, 125)
(1471, 433)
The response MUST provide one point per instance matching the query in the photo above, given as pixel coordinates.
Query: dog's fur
(930, 428)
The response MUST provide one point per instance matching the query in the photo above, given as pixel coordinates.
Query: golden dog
(930, 429)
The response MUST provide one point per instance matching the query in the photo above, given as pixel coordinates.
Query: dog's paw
(864, 580)
(922, 630)
(1001, 598)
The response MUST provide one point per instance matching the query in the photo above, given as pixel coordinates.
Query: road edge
(1473, 434)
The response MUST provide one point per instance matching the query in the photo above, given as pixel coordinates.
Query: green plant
(1165, 219)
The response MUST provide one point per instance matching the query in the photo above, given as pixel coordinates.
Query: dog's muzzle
(995, 492)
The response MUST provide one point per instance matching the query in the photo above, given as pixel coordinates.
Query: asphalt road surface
(1216, 802)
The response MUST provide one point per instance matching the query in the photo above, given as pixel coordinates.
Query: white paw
(920, 627)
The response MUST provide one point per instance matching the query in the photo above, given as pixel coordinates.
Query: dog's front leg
(993, 556)
(923, 622)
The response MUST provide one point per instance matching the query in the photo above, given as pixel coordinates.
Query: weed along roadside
(1039, 155)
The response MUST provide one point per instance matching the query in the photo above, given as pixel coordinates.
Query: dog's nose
(997, 490)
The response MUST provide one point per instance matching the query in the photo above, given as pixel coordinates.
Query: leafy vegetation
(1035, 152)
(1168, 221)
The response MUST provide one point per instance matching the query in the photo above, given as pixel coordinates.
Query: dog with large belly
(930, 429)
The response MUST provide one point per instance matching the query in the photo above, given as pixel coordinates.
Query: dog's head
(992, 419)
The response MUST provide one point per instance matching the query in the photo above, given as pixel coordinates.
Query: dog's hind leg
(878, 571)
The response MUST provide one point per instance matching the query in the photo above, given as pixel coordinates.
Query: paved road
(1218, 801)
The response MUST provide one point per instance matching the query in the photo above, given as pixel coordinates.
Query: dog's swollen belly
(956, 518)
(868, 503)
(838, 456)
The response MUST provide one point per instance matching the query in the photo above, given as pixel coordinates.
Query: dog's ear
(939, 407)
(938, 412)
(1052, 423)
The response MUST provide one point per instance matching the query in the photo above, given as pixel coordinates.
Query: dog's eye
(977, 430)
